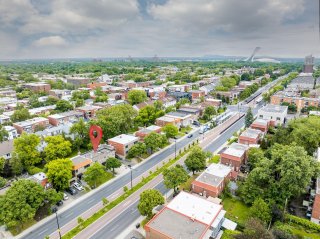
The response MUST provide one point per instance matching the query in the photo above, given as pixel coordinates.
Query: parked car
(60, 203)
(190, 135)
(137, 225)
(72, 191)
(65, 196)
(54, 209)
(78, 186)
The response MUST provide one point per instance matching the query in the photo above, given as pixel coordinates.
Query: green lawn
(300, 231)
(185, 129)
(15, 231)
(237, 211)
(187, 185)
(214, 159)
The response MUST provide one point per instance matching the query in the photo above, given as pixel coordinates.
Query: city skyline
(168, 28)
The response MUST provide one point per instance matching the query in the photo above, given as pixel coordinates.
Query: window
(278, 118)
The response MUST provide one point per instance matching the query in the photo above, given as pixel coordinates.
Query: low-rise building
(4, 119)
(6, 148)
(250, 136)
(12, 132)
(315, 216)
(190, 110)
(168, 102)
(79, 165)
(235, 156)
(260, 124)
(31, 125)
(41, 179)
(89, 111)
(60, 94)
(165, 120)
(183, 119)
(42, 110)
(187, 216)
(212, 102)
(146, 131)
(197, 94)
(212, 181)
(38, 87)
(141, 105)
(122, 143)
(276, 114)
(65, 117)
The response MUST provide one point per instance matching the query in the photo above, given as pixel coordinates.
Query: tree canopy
(137, 150)
(136, 96)
(63, 106)
(196, 160)
(249, 118)
(154, 141)
(148, 115)
(95, 175)
(174, 177)
(113, 163)
(149, 199)
(57, 147)
(59, 173)
(170, 130)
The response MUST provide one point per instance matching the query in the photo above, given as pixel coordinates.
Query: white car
(78, 186)
(65, 196)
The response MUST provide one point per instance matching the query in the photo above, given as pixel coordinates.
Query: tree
(16, 164)
(196, 160)
(136, 96)
(285, 173)
(80, 130)
(209, 112)
(100, 95)
(118, 119)
(137, 150)
(2, 182)
(3, 134)
(52, 196)
(113, 163)
(20, 114)
(255, 155)
(249, 118)
(149, 199)
(174, 177)
(80, 94)
(2, 164)
(170, 130)
(25, 148)
(59, 173)
(57, 147)
(261, 210)
(154, 141)
(148, 115)
(63, 106)
(20, 202)
(254, 230)
(95, 175)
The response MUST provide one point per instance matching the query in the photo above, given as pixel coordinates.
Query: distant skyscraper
(308, 64)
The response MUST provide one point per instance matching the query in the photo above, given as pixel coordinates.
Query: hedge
(302, 222)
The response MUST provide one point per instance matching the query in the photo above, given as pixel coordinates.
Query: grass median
(114, 203)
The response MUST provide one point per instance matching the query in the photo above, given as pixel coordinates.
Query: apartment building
(89, 111)
(12, 132)
(235, 156)
(122, 143)
(275, 114)
(38, 87)
(31, 125)
(142, 133)
(65, 117)
(250, 136)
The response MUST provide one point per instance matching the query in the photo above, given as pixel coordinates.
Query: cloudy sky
(119, 28)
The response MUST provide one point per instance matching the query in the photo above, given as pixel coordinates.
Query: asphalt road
(75, 211)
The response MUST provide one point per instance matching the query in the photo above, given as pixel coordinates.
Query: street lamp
(175, 147)
(130, 174)
(58, 225)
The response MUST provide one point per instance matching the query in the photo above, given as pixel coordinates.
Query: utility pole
(58, 225)
(175, 148)
(130, 174)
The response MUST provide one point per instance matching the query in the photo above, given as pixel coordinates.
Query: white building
(276, 114)
(105, 78)
(12, 132)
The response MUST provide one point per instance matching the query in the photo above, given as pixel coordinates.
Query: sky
(33, 29)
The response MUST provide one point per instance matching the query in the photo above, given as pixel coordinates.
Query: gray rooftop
(210, 179)
(177, 114)
(6, 147)
(176, 225)
(274, 108)
(251, 133)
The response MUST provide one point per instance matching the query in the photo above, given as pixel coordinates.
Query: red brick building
(146, 131)
(235, 156)
(122, 143)
(30, 125)
(38, 87)
(212, 181)
(260, 124)
(94, 85)
(65, 117)
(89, 111)
(250, 136)
(197, 94)
(315, 216)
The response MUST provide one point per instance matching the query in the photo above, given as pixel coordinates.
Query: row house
(12, 132)
(42, 110)
(235, 156)
(122, 143)
(212, 181)
(89, 111)
(260, 124)
(65, 117)
(188, 216)
(61, 94)
(196, 95)
(250, 136)
(31, 125)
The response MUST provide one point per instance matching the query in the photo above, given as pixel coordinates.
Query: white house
(276, 114)
(12, 132)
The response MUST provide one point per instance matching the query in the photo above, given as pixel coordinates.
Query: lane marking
(42, 231)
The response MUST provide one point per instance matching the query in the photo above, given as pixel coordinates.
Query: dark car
(137, 225)
(72, 190)
(190, 135)
(60, 203)
(54, 209)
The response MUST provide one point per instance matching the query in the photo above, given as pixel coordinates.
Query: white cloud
(50, 41)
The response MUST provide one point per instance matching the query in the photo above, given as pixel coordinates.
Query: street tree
(148, 115)
(63, 106)
(57, 147)
(249, 118)
(137, 150)
(196, 160)
(80, 130)
(174, 177)
(112, 163)
(20, 203)
(25, 148)
(170, 130)
(209, 112)
(154, 141)
(261, 210)
(100, 95)
(95, 175)
(59, 173)
(137, 96)
(149, 199)
(52, 196)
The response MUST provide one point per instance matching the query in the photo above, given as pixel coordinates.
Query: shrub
(34, 170)
(2, 182)
(303, 222)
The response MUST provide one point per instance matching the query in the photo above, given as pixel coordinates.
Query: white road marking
(125, 204)
(42, 231)
(90, 201)
(114, 195)
(133, 211)
(114, 228)
(69, 214)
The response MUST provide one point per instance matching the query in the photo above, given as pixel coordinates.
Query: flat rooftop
(218, 169)
(124, 139)
(195, 207)
(260, 122)
(31, 121)
(177, 115)
(65, 114)
(239, 146)
(166, 119)
(176, 225)
(274, 108)
(251, 133)
(210, 179)
(89, 107)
